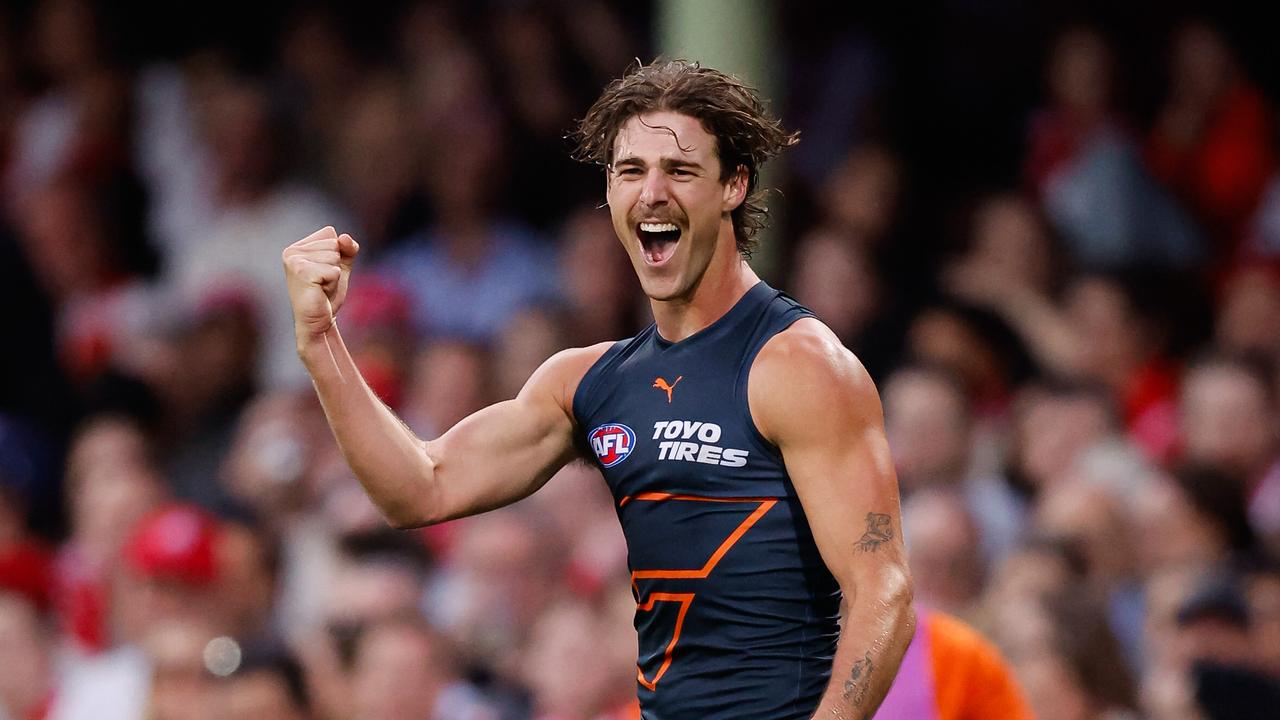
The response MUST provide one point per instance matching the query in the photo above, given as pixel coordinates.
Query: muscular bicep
(813, 399)
(506, 451)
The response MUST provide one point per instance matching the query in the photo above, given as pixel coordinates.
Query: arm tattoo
(879, 531)
(859, 682)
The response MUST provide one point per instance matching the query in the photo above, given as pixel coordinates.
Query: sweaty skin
(807, 393)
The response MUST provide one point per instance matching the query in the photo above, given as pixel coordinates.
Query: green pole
(737, 37)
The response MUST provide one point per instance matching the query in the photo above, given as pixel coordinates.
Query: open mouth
(658, 240)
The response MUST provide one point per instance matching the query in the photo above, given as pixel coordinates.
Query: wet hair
(746, 134)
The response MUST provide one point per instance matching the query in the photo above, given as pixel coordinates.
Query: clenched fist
(316, 270)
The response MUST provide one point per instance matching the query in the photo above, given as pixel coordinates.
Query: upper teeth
(658, 227)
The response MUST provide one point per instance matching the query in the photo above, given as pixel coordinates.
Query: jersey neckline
(738, 308)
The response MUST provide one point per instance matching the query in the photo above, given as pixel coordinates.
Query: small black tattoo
(859, 682)
(879, 531)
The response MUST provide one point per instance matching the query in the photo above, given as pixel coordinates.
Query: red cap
(176, 542)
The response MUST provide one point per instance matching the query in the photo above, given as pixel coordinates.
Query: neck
(728, 277)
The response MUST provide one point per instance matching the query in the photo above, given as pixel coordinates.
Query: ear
(735, 190)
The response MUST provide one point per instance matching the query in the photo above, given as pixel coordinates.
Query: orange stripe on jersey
(686, 599)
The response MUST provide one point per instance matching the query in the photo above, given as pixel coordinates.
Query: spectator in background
(369, 164)
(26, 564)
(943, 549)
(472, 268)
(212, 376)
(1212, 141)
(79, 124)
(504, 569)
(1228, 420)
(929, 424)
(405, 670)
(953, 673)
(833, 276)
(578, 667)
(1087, 170)
(27, 685)
(532, 335)
(180, 686)
(267, 684)
(1112, 329)
(1095, 519)
(599, 294)
(164, 607)
(77, 233)
(1248, 303)
(112, 483)
(449, 381)
(258, 207)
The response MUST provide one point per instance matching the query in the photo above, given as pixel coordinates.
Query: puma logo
(661, 384)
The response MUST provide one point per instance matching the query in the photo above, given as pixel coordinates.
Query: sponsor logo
(677, 442)
(661, 384)
(612, 443)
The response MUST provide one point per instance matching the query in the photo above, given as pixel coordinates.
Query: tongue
(655, 251)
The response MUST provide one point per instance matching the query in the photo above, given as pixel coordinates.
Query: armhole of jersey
(795, 313)
(591, 377)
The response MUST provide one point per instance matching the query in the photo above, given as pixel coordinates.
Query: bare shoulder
(559, 375)
(805, 377)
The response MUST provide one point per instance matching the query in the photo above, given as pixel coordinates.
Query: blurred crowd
(1079, 362)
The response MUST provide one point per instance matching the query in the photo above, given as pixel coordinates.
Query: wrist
(311, 342)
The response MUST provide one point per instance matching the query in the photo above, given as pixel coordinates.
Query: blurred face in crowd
(1246, 317)
(113, 485)
(181, 687)
(270, 455)
(1053, 429)
(23, 655)
(398, 674)
(1080, 73)
(837, 282)
(64, 240)
(1098, 309)
(448, 383)
(594, 277)
(861, 196)
(1171, 532)
(665, 176)
(1009, 242)
(1200, 64)
(940, 336)
(530, 337)
(1093, 517)
(942, 548)
(258, 694)
(1227, 421)
(1263, 592)
(246, 581)
(927, 421)
(567, 637)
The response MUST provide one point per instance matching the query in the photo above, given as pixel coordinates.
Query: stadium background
(1051, 231)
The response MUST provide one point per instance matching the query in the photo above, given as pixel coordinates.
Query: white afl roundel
(612, 443)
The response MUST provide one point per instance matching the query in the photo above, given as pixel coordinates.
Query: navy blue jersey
(735, 610)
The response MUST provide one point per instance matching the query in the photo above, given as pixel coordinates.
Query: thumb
(347, 248)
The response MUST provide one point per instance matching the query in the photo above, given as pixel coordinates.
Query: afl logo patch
(612, 443)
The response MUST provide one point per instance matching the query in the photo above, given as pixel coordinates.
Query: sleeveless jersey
(736, 612)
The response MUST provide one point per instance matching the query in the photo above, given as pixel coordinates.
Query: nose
(654, 191)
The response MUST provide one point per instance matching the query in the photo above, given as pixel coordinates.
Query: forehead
(657, 135)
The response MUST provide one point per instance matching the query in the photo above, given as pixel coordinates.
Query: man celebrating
(743, 444)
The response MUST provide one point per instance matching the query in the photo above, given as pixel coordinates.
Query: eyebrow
(668, 163)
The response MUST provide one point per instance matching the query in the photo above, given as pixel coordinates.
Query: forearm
(389, 460)
(878, 625)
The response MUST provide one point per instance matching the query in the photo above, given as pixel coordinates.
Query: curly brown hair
(746, 134)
